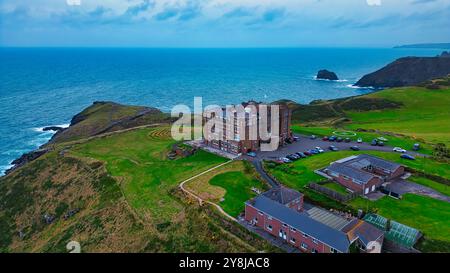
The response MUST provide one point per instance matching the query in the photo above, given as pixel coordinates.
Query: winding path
(200, 200)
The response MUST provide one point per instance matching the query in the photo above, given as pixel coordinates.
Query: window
(269, 227)
(293, 240)
(305, 235)
(304, 246)
(314, 250)
(270, 218)
(284, 225)
(293, 230)
(256, 220)
(315, 241)
(332, 250)
(260, 213)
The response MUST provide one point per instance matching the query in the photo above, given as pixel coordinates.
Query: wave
(41, 129)
(325, 80)
(353, 86)
(4, 168)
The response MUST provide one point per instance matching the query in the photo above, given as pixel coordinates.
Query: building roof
(302, 222)
(353, 167)
(328, 218)
(354, 173)
(365, 232)
(377, 162)
(282, 195)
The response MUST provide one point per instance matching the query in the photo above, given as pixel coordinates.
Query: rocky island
(327, 75)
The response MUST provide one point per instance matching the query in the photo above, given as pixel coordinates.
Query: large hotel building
(235, 145)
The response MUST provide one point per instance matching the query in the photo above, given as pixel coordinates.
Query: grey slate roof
(282, 195)
(380, 163)
(355, 174)
(302, 222)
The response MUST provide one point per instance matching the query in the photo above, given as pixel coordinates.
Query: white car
(320, 150)
(399, 150)
(359, 140)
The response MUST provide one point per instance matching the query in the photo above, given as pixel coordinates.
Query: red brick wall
(264, 220)
(348, 183)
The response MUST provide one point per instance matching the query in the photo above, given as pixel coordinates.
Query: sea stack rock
(327, 75)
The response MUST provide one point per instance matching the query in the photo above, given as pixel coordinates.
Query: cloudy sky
(223, 23)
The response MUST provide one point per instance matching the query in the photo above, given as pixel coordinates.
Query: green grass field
(425, 114)
(138, 158)
(238, 190)
(430, 216)
(336, 187)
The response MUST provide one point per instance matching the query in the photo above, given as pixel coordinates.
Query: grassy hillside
(409, 114)
(125, 200)
(103, 117)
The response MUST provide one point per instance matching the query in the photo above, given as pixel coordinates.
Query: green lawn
(442, 188)
(238, 190)
(430, 216)
(425, 114)
(336, 187)
(139, 159)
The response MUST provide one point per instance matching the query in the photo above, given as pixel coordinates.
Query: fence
(333, 194)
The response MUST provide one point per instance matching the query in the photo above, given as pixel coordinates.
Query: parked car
(383, 139)
(296, 138)
(325, 138)
(332, 138)
(339, 139)
(333, 148)
(291, 157)
(374, 142)
(380, 143)
(307, 153)
(296, 156)
(399, 150)
(251, 154)
(302, 155)
(416, 147)
(320, 150)
(347, 140)
(313, 151)
(286, 160)
(354, 148)
(313, 137)
(359, 140)
(407, 156)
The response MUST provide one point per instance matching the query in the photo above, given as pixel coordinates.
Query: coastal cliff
(408, 71)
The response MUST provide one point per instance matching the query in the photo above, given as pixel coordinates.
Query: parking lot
(305, 144)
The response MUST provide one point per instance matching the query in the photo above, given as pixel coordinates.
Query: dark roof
(355, 174)
(282, 195)
(367, 233)
(377, 162)
(302, 222)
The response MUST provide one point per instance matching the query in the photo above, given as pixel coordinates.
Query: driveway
(401, 187)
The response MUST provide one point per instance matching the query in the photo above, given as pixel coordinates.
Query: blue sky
(223, 23)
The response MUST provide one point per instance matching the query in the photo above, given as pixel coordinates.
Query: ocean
(47, 86)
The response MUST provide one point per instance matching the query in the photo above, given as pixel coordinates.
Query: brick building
(363, 173)
(237, 145)
(281, 213)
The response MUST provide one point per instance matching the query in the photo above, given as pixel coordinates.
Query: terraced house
(363, 173)
(281, 212)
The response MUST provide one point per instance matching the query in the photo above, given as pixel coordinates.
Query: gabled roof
(282, 195)
(354, 173)
(365, 232)
(377, 162)
(302, 222)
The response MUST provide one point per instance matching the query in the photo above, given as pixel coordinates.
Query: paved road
(305, 144)
(265, 176)
(401, 187)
